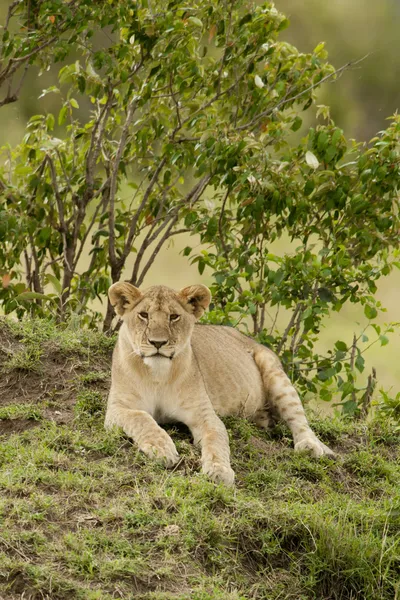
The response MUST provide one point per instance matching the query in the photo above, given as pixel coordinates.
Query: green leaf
(330, 153)
(50, 122)
(341, 346)
(346, 388)
(195, 21)
(297, 123)
(370, 311)
(325, 374)
(55, 282)
(212, 227)
(325, 395)
(309, 187)
(32, 296)
(201, 265)
(62, 115)
(359, 363)
(336, 136)
(384, 340)
(349, 407)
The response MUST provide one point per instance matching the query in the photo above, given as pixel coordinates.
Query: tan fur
(168, 368)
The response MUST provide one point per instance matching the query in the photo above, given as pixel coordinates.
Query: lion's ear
(123, 296)
(195, 299)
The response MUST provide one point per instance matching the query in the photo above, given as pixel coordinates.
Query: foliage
(337, 202)
(192, 127)
(176, 92)
(389, 407)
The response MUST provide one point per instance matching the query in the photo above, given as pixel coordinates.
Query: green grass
(84, 515)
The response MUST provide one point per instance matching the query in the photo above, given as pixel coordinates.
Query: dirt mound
(44, 366)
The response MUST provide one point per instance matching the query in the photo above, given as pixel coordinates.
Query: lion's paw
(162, 449)
(219, 473)
(312, 444)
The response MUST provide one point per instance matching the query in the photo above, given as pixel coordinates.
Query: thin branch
(14, 63)
(288, 328)
(156, 250)
(223, 59)
(28, 265)
(105, 191)
(114, 179)
(152, 235)
(266, 113)
(37, 286)
(60, 208)
(296, 331)
(274, 320)
(95, 143)
(366, 401)
(178, 114)
(221, 233)
(10, 13)
(135, 219)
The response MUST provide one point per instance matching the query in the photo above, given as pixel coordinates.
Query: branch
(95, 143)
(288, 328)
(35, 275)
(114, 180)
(10, 13)
(15, 62)
(135, 219)
(105, 191)
(152, 235)
(366, 403)
(221, 233)
(178, 114)
(156, 251)
(60, 208)
(285, 100)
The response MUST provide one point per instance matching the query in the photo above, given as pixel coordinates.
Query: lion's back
(231, 377)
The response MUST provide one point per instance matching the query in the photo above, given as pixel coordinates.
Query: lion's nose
(158, 343)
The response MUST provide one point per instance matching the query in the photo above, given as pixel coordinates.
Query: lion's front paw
(313, 445)
(219, 473)
(162, 449)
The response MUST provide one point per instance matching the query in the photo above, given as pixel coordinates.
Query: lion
(166, 367)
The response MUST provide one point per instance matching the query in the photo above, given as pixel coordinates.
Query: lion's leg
(210, 432)
(143, 429)
(283, 399)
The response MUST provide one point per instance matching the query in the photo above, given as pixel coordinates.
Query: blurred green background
(361, 100)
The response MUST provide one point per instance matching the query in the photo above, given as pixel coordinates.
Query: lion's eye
(143, 315)
(174, 317)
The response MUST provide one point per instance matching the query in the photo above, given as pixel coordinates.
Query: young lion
(168, 368)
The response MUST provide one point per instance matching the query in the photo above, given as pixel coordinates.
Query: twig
(366, 401)
(105, 191)
(60, 208)
(285, 100)
(135, 219)
(352, 361)
(221, 234)
(114, 181)
(10, 547)
(288, 328)
(156, 250)
(95, 143)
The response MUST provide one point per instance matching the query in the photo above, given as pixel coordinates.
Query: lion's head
(159, 321)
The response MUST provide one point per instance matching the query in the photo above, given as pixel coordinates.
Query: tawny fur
(168, 368)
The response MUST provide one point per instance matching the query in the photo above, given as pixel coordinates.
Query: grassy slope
(84, 515)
